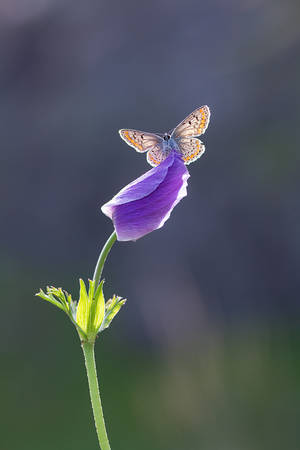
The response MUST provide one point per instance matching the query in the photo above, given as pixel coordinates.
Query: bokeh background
(205, 354)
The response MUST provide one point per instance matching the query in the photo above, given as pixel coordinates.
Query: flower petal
(140, 187)
(146, 203)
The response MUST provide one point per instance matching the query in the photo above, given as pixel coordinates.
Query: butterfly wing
(193, 125)
(191, 149)
(140, 141)
(156, 156)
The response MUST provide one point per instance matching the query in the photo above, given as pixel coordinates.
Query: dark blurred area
(205, 354)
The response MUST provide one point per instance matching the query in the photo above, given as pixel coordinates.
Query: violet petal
(145, 204)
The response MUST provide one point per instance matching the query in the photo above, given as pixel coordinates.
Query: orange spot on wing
(202, 123)
(126, 133)
(189, 157)
(154, 160)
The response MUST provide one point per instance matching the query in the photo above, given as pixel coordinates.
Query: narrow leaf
(82, 314)
(99, 307)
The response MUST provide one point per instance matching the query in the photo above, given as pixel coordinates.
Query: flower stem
(90, 364)
(88, 348)
(102, 258)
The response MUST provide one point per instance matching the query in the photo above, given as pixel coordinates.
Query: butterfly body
(183, 139)
(171, 144)
(167, 146)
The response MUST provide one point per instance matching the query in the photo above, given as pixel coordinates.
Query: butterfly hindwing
(156, 156)
(191, 149)
(141, 141)
(194, 124)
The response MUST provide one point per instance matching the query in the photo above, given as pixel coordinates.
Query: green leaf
(50, 298)
(63, 300)
(112, 308)
(91, 290)
(99, 308)
(82, 313)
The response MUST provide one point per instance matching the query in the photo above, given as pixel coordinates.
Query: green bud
(90, 315)
(90, 308)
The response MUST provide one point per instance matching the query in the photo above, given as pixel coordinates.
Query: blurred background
(205, 354)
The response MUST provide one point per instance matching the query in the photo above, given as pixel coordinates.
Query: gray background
(205, 353)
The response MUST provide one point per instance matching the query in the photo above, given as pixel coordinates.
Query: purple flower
(145, 204)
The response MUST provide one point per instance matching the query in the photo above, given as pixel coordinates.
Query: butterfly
(183, 139)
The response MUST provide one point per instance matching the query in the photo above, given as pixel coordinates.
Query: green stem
(90, 364)
(103, 255)
(89, 357)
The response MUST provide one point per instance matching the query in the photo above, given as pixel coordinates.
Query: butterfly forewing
(194, 125)
(191, 149)
(140, 141)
